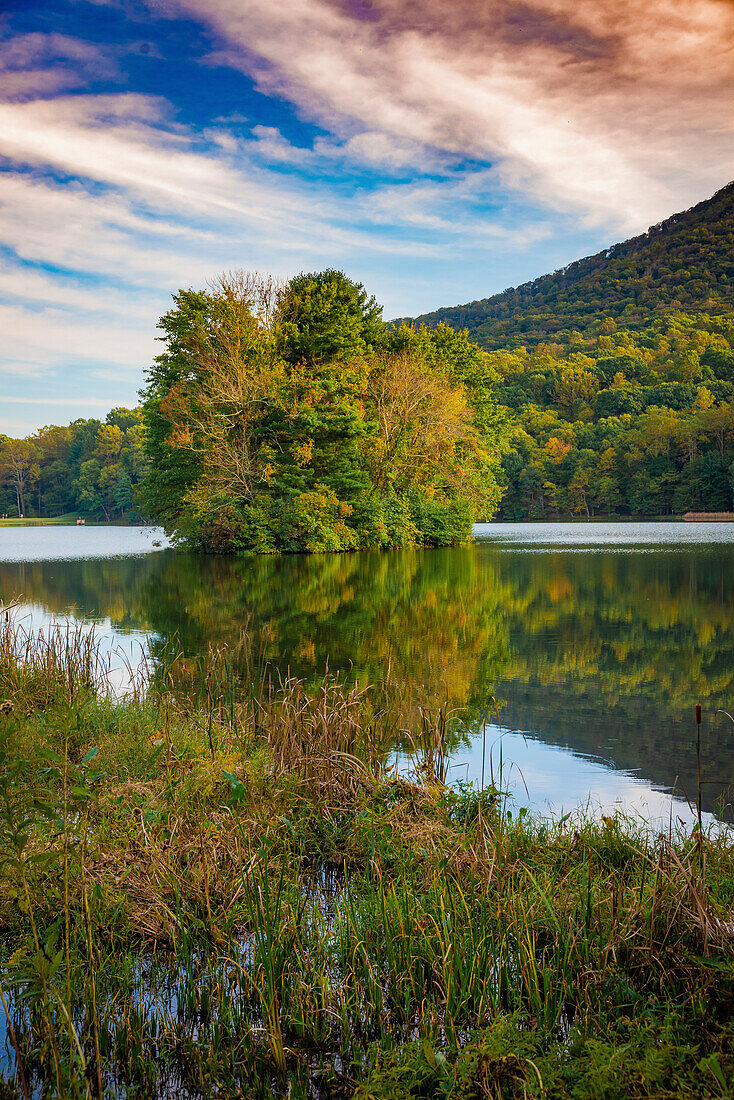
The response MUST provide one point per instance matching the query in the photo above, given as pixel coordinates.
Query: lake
(596, 640)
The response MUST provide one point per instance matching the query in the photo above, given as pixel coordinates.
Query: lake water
(597, 640)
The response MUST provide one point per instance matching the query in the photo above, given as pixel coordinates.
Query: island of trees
(293, 418)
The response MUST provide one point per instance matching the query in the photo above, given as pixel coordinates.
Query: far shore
(70, 520)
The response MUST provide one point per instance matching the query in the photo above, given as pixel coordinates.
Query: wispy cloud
(42, 64)
(608, 108)
(441, 142)
(127, 143)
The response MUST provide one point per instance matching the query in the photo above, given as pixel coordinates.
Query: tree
(575, 386)
(580, 485)
(19, 468)
(89, 495)
(718, 423)
(720, 361)
(309, 408)
(123, 491)
(168, 408)
(714, 486)
(109, 443)
(324, 316)
(54, 481)
(557, 449)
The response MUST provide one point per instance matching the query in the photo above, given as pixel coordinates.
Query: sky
(437, 151)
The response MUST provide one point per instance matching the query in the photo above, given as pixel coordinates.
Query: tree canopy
(91, 467)
(628, 422)
(292, 419)
(685, 263)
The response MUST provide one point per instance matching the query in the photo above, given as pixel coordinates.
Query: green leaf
(55, 963)
(237, 788)
(48, 754)
(47, 809)
(90, 755)
(712, 1063)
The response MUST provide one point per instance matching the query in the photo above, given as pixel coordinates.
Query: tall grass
(229, 889)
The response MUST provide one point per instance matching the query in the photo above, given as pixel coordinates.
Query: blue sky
(436, 152)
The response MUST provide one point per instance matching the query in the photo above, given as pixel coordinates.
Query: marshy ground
(226, 892)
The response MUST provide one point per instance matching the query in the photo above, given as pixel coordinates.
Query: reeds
(233, 891)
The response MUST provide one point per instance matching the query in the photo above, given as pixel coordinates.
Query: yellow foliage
(557, 449)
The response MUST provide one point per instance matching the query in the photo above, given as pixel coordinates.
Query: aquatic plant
(238, 892)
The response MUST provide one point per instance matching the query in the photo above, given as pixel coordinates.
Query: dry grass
(457, 950)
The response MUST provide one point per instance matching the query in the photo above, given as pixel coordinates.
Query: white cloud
(386, 151)
(613, 110)
(269, 144)
(41, 64)
(126, 143)
(47, 337)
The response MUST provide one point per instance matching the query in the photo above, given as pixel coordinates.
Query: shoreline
(235, 893)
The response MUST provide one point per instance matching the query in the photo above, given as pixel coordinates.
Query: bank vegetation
(230, 891)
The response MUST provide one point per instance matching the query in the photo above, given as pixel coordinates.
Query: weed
(232, 890)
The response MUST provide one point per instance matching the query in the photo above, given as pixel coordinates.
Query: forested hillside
(684, 264)
(617, 374)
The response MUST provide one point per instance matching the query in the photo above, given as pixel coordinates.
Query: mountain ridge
(685, 262)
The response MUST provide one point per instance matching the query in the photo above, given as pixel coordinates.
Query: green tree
(298, 422)
(89, 495)
(19, 468)
(169, 410)
(323, 316)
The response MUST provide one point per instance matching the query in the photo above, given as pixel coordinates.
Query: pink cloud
(607, 107)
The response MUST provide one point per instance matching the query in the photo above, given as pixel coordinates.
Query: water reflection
(25, 544)
(555, 780)
(594, 648)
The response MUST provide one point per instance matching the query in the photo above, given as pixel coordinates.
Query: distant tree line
(91, 467)
(626, 422)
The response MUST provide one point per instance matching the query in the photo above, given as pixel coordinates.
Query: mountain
(685, 263)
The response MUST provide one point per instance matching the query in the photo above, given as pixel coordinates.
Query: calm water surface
(597, 639)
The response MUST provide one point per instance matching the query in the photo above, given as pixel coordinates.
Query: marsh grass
(228, 888)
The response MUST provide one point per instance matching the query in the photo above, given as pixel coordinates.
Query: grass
(67, 520)
(227, 892)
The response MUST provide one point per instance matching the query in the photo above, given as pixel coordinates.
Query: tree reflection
(604, 652)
